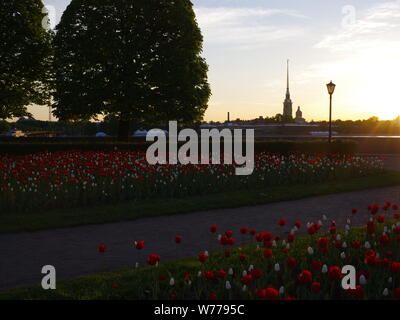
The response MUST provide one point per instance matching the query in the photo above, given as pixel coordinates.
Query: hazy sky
(356, 44)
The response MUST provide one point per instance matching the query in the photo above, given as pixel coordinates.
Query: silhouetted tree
(133, 59)
(25, 57)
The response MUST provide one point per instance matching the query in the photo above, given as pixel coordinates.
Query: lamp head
(331, 87)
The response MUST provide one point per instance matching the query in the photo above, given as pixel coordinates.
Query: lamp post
(331, 88)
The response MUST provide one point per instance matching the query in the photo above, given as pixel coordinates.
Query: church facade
(288, 104)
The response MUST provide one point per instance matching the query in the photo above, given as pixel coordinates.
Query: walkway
(73, 251)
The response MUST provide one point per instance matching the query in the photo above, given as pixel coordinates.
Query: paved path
(73, 251)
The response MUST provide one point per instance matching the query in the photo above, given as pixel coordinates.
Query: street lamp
(331, 88)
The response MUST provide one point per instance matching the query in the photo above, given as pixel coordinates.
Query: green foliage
(130, 59)
(127, 211)
(25, 50)
(32, 145)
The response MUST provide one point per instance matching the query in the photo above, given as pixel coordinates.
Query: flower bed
(76, 178)
(275, 268)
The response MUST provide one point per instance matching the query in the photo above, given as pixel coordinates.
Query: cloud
(377, 25)
(246, 27)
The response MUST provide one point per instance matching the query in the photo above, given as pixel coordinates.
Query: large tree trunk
(123, 129)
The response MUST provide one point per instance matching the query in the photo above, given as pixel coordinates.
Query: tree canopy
(25, 57)
(134, 59)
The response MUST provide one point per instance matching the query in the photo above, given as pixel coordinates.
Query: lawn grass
(12, 223)
(144, 282)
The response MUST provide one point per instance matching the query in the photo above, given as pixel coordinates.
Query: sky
(356, 44)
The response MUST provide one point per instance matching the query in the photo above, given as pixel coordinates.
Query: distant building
(299, 117)
(287, 104)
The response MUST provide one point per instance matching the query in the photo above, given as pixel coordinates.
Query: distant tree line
(130, 60)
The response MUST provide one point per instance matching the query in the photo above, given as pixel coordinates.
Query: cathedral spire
(287, 80)
(287, 104)
(287, 86)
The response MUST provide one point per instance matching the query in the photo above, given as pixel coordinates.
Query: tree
(25, 51)
(133, 59)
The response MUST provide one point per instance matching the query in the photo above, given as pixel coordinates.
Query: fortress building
(299, 117)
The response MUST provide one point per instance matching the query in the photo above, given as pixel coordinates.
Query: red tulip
(256, 273)
(178, 239)
(380, 219)
(209, 275)
(267, 253)
(202, 257)
(395, 267)
(315, 287)
(271, 293)
(304, 277)
(247, 279)
(316, 265)
(281, 222)
(222, 274)
(153, 259)
(213, 228)
(291, 262)
(335, 273)
(101, 248)
(139, 245)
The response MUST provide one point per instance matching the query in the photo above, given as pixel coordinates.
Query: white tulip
(320, 223)
(344, 245)
(324, 217)
(288, 246)
(277, 267)
(137, 265)
(244, 288)
(251, 267)
(347, 227)
(367, 245)
(363, 280)
(282, 290)
(310, 251)
(172, 282)
(390, 280)
(228, 285)
(283, 243)
(230, 271)
(385, 229)
(206, 253)
(385, 292)
(343, 255)
(199, 274)
(244, 273)
(324, 268)
(274, 243)
(338, 237)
